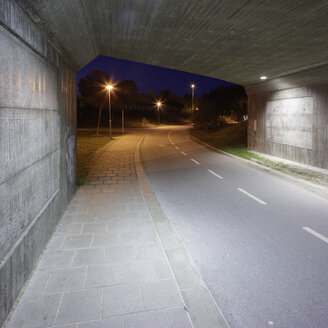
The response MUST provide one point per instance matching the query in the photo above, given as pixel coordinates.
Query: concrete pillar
(37, 146)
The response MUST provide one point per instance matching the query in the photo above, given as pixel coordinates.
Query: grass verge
(233, 140)
(87, 143)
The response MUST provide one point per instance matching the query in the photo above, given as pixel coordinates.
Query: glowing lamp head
(109, 87)
(193, 86)
(159, 104)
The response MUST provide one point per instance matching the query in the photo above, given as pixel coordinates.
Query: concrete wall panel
(15, 19)
(23, 197)
(284, 117)
(26, 136)
(37, 146)
(27, 80)
(291, 118)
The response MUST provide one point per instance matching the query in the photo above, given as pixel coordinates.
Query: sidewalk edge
(200, 303)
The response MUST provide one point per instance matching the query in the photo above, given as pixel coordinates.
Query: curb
(317, 189)
(199, 302)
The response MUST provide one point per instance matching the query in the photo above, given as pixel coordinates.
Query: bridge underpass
(44, 43)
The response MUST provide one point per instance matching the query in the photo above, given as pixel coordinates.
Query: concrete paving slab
(56, 259)
(105, 239)
(149, 319)
(79, 306)
(94, 228)
(115, 322)
(56, 242)
(122, 299)
(90, 256)
(151, 251)
(120, 254)
(38, 281)
(68, 228)
(77, 241)
(34, 311)
(178, 317)
(84, 218)
(162, 269)
(161, 294)
(103, 275)
(64, 280)
(138, 271)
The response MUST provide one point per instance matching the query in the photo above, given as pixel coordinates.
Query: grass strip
(233, 140)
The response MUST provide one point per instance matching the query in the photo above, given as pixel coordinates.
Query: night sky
(149, 77)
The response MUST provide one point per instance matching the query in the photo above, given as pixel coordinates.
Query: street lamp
(109, 87)
(159, 105)
(192, 96)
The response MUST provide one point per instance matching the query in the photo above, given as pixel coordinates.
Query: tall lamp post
(192, 97)
(109, 88)
(159, 105)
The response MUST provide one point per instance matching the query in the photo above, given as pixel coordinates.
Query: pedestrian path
(105, 265)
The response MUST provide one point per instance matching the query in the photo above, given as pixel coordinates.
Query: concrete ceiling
(234, 40)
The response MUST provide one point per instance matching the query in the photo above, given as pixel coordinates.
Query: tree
(93, 90)
(173, 105)
(207, 114)
(222, 100)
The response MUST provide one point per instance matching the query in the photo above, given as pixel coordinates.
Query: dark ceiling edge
(31, 12)
(303, 78)
(291, 72)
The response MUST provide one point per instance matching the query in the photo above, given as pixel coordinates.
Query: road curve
(257, 240)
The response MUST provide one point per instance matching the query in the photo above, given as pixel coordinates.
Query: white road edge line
(317, 234)
(194, 161)
(217, 175)
(252, 196)
(183, 153)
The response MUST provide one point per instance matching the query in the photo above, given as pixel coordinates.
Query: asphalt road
(244, 228)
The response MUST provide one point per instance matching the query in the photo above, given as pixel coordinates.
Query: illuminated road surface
(259, 241)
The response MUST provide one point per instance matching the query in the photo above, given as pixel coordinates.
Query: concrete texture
(86, 278)
(41, 50)
(288, 117)
(236, 41)
(37, 147)
(233, 40)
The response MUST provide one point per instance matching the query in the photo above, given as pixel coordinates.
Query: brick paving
(104, 265)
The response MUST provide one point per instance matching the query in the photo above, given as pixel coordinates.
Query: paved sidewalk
(104, 265)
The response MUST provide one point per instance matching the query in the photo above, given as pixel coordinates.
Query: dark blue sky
(150, 77)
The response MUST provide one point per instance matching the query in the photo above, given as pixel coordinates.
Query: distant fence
(140, 108)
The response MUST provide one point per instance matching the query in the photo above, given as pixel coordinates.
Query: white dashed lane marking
(183, 153)
(252, 196)
(176, 147)
(317, 234)
(215, 174)
(194, 161)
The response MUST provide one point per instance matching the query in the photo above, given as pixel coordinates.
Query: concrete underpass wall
(37, 146)
(288, 117)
